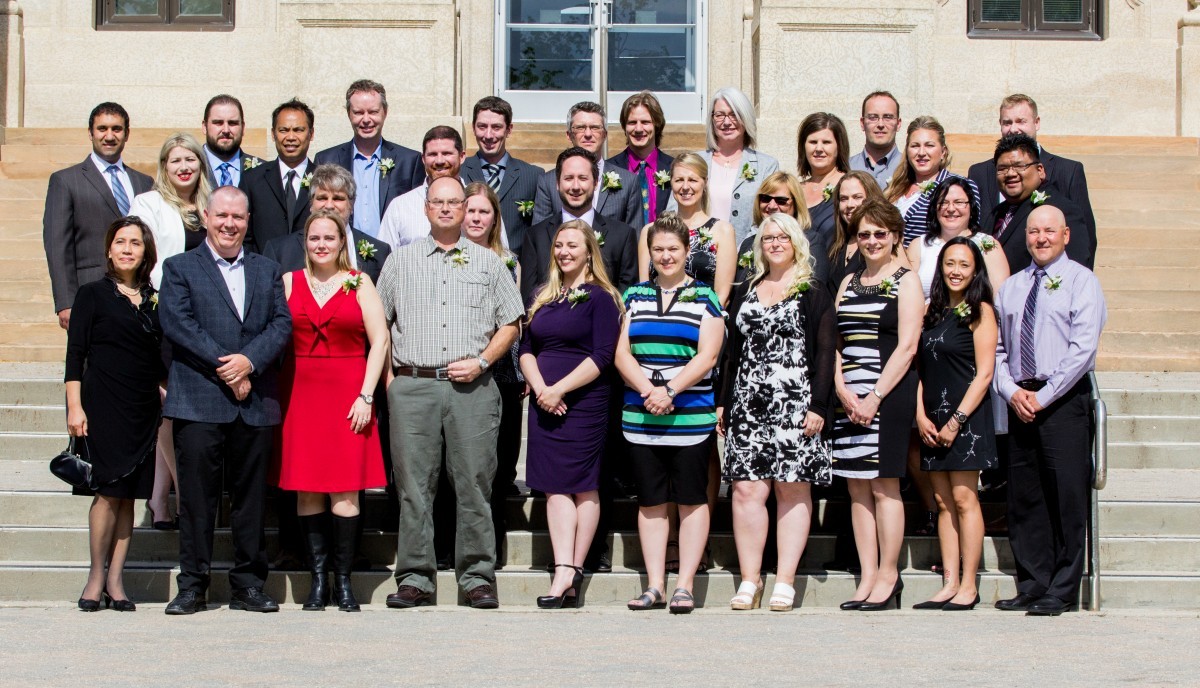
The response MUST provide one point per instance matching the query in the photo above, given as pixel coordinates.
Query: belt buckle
(442, 374)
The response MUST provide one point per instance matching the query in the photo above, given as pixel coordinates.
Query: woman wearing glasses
(781, 192)
(923, 168)
(954, 212)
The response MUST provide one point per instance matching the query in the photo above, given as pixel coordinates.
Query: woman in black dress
(113, 373)
(954, 412)
(852, 190)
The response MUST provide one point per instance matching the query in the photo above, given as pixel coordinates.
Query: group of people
(318, 326)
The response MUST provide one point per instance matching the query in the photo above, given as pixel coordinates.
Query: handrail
(1099, 480)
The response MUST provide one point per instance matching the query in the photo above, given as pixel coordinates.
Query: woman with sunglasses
(781, 192)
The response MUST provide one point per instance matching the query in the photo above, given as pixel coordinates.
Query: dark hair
(367, 86)
(978, 291)
(149, 257)
(814, 123)
(933, 227)
(1018, 142)
(647, 100)
(494, 104)
(293, 104)
(224, 99)
(881, 214)
(841, 232)
(443, 133)
(669, 223)
(576, 152)
(108, 108)
(877, 94)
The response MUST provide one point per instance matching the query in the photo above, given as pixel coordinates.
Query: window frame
(1033, 24)
(167, 18)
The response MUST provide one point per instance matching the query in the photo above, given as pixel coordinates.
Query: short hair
(108, 108)
(742, 108)
(228, 189)
(494, 237)
(224, 99)
(494, 104)
(343, 257)
(333, 178)
(149, 256)
(802, 257)
(1019, 99)
(443, 133)
(819, 121)
(790, 184)
(841, 232)
(696, 163)
(367, 86)
(881, 214)
(576, 152)
(669, 223)
(933, 226)
(905, 176)
(879, 94)
(166, 189)
(647, 100)
(293, 104)
(585, 106)
(1018, 142)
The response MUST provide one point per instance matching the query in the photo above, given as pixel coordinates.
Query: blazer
(288, 251)
(268, 210)
(408, 172)
(79, 208)
(1063, 173)
(623, 205)
(167, 225)
(198, 316)
(621, 161)
(249, 162)
(745, 191)
(519, 184)
(1081, 249)
(619, 253)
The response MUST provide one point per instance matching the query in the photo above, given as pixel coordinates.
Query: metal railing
(1099, 480)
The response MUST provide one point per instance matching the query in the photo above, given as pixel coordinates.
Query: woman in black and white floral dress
(777, 389)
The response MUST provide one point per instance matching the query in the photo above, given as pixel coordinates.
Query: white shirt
(405, 221)
(599, 185)
(235, 166)
(588, 217)
(122, 174)
(234, 275)
(298, 169)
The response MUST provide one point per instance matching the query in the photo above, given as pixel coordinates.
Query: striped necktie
(1028, 320)
(493, 175)
(226, 175)
(118, 190)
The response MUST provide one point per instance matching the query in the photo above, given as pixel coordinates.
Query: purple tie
(1028, 360)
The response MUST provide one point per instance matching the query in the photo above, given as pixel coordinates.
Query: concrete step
(1141, 519)
(1154, 455)
(1072, 146)
(1153, 428)
(1147, 218)
(42, 353)
(1148, 257)
(1181, 278)
(1140, 321)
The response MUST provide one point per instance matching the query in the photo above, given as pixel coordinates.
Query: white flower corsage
(662, 178)
(459, 257)
(352, 283)
(610, 181)
(386, 166)
(963, 310)
(366, 250)
(525, 208)
(748, 173)
(1053, 283)
(887, 285)
(1038, 197)
(306, 181)
(577, 295)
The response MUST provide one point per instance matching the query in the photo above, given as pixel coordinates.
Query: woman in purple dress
(571, 332)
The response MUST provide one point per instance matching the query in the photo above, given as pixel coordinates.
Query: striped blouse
(663, 343)
(916, 217)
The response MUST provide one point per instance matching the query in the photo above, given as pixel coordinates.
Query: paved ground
(62, 647)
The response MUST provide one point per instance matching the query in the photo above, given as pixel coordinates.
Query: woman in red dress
(329, 446)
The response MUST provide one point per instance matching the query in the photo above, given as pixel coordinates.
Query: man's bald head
(444, 206)
(1046, 234)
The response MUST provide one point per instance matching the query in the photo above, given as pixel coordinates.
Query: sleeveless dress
(701, 262)
(322, 376)
(868, 319)
(947, 357)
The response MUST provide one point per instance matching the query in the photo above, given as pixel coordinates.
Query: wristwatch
(670, 392)
(367, 398)
(483, 364)
(960, 417)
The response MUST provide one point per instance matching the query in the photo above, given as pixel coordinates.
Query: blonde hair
(904, 176)
(695, 163)
(789, 183)
(166, 189)
(801, 252)
(596, 272)
(343, 257)
(494, 240)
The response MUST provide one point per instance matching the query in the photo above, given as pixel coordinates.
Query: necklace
(322, 289)
(127, 291)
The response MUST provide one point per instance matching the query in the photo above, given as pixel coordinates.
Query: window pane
(199, 7)
(1001, 10)
(653, 12)
(133, 8)
(1063, 10)
(661, 60)
(547, 60)
(549, 12)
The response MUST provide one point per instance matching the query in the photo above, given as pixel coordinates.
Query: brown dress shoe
(407, 596)
(482, 597)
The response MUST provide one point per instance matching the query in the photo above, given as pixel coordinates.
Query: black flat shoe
(892, 601)
(167, 525)
(931, 604)
(851, 605)
(1048, 605)
(953, 607)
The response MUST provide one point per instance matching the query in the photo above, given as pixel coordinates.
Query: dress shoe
(482, 597)
(252, 600)
(931, 604)
(955, 607)
(86, 605)
(407, 596)
(445, 562)
(599, 564)
(1048, 606)
(850, 605)
(892, 601)
(125, 605)
(1019, 603)
(187, 602)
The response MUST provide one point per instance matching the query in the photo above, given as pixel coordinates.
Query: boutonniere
(662, 178)
(746, 259)
(986, 243)
(748, 172)
(886, 285)
(386, 166)
(306, 181)
(962, 310)
(1053, 283)
(366, 249)
(600, 238)
(525, 208)
(249, 163)
(827, 192)
(796, 289)
(459, 257)
(688, 295)
(510, 262)
(351, 283)
(154, 301)
(577, 295)
(706, 238)
(1038, 197)
(610, 181)
(927, 187)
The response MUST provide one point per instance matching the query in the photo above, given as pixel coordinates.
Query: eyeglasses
(779, 200)
(776, 239)
(879, 234)
(587, 128)
(719, 117)
(888, 119)
(958, 203)
(1002, 170)
(445, 203)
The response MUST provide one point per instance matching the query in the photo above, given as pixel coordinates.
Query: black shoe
(313, 529)
(953, 607)
(892, 601)
(86, 605)
(512, 490)
(345, 535)
(570, 596)
(252, 600)
(851, 605)
(599, 564)
(408, 596)
(929, 527)
(187, 602)
(1048, 606)
(125, 605)
(445, 563)
(1019, 603)
(931, 604)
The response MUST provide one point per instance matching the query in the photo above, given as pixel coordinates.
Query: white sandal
(749, 596)
(782, 597)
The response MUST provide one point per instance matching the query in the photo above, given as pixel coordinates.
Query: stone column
(12, 66)
(1188, 107)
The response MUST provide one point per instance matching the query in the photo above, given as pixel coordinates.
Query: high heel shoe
(125, 605)
(86, 605)
(560, 601)
(892, 601)
(952, 607)
(851, 605)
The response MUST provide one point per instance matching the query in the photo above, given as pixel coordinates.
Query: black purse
(70, 468)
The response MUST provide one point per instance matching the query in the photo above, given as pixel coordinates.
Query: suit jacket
(619, 253)
(288, 251)
(408, 172)
(621, 161)
(520, 183)
(79, 208)
(268, 210)
(167, 225)
(1064, 173)
(623, 205)
(249, 162)
(745, 191)
(1081, 249)
(198, 316)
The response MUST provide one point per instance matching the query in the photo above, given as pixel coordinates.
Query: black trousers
(1049, 476)
(210, 456)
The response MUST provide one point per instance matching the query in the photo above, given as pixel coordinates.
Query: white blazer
(166, 224)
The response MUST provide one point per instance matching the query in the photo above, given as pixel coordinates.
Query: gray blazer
(745, 191)
(520, 183)
(79, 208)
(623, 205)
(198, 316)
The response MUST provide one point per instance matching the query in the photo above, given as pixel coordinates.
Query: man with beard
(405, 220)
(224, 126)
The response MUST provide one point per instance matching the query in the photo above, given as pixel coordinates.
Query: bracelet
(875, 391)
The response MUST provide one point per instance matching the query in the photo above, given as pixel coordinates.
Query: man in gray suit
(618, 194)
(82, 201)
(514, 181)
(224, 311)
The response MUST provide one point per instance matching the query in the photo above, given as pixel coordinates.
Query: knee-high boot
(315, 529)
(345, 536)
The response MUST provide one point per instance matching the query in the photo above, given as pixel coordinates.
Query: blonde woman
(925, 165)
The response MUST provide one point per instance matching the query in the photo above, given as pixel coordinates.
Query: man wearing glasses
(880, 121)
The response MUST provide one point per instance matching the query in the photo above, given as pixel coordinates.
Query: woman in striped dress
(666, 353)
(925, 165)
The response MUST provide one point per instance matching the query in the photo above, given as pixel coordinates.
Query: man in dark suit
(1019, 115)
(382, 170)
(224, 127)
(224, 311)
(82, 201)
(1023, 185)
(617, 196)
(279, 190)
(514, 181)
(643, 120)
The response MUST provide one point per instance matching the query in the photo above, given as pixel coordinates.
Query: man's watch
(367, 398)
(483, 364)
(670, 392)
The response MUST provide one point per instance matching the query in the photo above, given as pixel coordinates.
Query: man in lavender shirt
(1051, 314)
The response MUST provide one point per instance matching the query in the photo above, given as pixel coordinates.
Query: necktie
(493, 175)
(644, 176)
(1002, 222)
(226, 176)
(1028, 360)
(289, 196)
(118, 190)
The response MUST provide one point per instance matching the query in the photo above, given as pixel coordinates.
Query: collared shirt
(1067, 326)
(122, 174)
(882, 172)
(405, 220)
(588, 217)
(235, 165)
(234, 275)
(651, 184)
(503, 164)
(441, 309)
(366, 195)
(298, 169)
(599, 185)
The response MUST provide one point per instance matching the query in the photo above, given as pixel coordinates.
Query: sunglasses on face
(879, 234)
(779, 200)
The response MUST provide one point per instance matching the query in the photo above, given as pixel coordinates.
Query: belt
(442, 374)
(1032, 385)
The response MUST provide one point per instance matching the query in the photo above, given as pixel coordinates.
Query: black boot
(314, 529)
(345, 536)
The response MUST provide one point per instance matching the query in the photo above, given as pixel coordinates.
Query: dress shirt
(440, 311)
(599, 184)
(299, 170)
(235, 166)
(883, 171)
(588, 217)
(122, 174)
(366, 195)
(234, 275)
(405, 220)
(651, 184)
(1067, 327)
(503, 164)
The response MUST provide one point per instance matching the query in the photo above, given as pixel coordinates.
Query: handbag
(69, 467)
